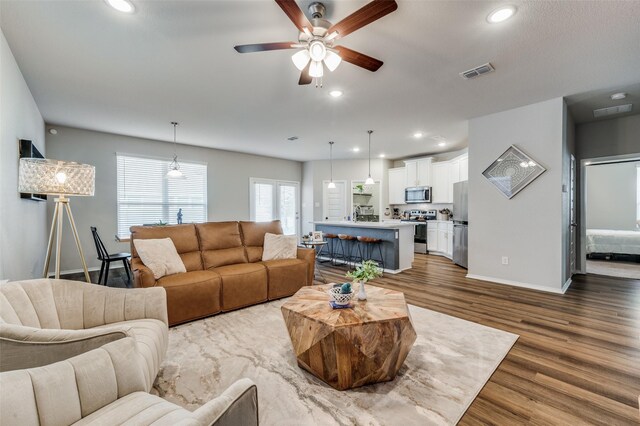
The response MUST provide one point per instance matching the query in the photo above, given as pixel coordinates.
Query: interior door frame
(324, 196)
(276, 198)
(581, 265)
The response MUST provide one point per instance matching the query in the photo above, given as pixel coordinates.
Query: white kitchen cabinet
(440, 183)
(418, 172)
(397, 184)
(432, 236)
(450, 239)
(464, 168)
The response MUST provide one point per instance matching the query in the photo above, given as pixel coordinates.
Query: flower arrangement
(367, 271)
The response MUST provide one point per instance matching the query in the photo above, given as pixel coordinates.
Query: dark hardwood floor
(577, 360)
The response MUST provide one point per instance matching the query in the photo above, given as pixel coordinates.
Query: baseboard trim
(566, 285)
(520, 284)
(79, 271)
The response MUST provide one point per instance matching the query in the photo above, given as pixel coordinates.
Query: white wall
(348, 170)
(528, 227)
(611, 196)
(227, 185)
(23, 223)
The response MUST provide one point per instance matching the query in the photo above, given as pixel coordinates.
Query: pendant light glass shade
(332, 60)
(369, 180)
(301, 59)
(315, 70)
(174, 167)
(331, 184)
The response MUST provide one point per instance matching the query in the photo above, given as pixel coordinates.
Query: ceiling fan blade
(359, 59)
(305, 78)
(364, 16)
(297, 16)
(263, 47)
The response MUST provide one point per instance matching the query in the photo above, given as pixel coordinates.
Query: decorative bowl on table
(339, 298)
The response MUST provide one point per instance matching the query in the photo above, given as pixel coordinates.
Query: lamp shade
(55, 177)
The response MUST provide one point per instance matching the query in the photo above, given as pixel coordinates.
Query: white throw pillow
(160, 256)
(279, 247)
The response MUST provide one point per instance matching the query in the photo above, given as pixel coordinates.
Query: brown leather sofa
(224, 267)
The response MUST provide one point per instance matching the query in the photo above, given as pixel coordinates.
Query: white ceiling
(91, 67)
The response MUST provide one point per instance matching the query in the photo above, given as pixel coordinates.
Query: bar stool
(330, 247)
(366, 246)
(346, 246)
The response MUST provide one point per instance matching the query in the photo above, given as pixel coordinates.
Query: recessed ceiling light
(418, 135)
(501, 14)
(356, 149)
(382, 155)
(618, 96)
(124, 6)
(442, 144)
(335, 93)
(53, 131)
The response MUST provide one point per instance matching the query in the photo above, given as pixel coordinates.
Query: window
(146, 196)
(272, 199)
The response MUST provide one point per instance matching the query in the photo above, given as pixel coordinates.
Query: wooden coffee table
(348, 348)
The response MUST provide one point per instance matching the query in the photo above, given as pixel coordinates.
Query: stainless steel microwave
(418, 194)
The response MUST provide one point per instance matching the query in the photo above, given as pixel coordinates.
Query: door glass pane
(263, 202)
(287, 208)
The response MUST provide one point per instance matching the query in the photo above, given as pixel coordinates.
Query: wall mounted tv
(29, 150)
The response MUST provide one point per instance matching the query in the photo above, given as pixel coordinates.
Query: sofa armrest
(28, 347)
(238, 405)
(309, 256)
(142, 276)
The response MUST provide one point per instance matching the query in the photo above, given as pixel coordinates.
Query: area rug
(449, 364)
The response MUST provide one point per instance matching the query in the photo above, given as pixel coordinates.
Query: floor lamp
(61, 179)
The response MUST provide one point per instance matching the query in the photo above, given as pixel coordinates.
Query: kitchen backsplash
(423, 206)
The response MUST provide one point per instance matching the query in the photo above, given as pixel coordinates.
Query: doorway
(275, 200)
(610, 216)
(334, 200)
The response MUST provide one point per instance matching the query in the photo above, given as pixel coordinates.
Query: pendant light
(331, 184)
(174, 166)
(369, 180)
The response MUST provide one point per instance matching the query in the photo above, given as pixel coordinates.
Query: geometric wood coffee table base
(348, 348)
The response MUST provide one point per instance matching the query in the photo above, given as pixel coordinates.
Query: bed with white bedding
(613, 241)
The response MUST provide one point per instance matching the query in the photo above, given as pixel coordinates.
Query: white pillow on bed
(279, 247)
(159, 255)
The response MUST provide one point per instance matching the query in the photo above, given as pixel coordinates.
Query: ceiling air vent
(292, 138)
(477, 71)
(606, 112)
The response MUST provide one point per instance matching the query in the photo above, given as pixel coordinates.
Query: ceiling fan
(317, 37)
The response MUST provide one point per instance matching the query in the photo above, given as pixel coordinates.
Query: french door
(273, 199)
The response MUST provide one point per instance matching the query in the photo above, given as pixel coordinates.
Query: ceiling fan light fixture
(317, 50)
(301, 59)
(316, 69)
(332, 60)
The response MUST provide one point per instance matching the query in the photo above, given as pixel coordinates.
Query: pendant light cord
(331, 160)
(175, 145)
(369, 131)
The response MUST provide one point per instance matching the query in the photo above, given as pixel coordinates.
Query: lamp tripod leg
(59, 242)
(75, 234)
(47, 259)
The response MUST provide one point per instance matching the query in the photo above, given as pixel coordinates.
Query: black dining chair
(107, 258)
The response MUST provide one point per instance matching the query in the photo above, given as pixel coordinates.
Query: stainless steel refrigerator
(460, 223)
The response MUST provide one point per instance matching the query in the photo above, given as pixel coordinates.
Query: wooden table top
(381, 305)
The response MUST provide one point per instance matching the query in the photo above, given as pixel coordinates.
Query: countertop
(383, 225)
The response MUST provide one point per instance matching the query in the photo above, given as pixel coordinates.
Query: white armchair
(104, 387)
(43, 321)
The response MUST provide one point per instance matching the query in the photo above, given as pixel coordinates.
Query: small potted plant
(360, 188)
(363, 273)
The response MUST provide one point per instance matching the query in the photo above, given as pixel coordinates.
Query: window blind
(146, 196)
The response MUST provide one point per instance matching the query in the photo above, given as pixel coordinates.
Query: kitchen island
(397, 239)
